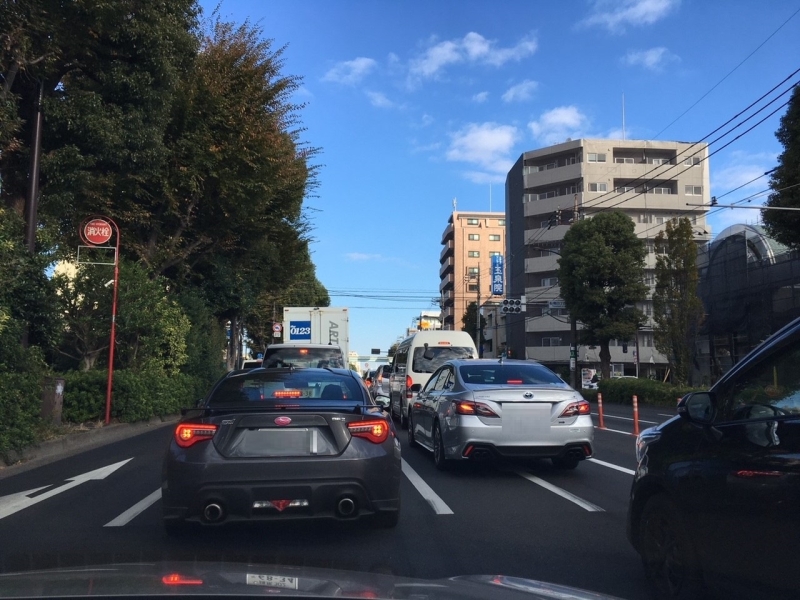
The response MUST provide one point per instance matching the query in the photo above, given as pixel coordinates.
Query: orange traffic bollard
(635, 415)
(600, 409)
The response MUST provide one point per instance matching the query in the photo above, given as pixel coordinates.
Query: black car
(715, 501)
(278, 444)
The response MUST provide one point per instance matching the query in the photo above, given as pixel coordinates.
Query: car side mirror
(416, 387)
(698, 407)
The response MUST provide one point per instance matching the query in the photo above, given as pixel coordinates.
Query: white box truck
(317, 325)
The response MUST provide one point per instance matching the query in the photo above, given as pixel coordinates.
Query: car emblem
(528, 395)
(282, 421)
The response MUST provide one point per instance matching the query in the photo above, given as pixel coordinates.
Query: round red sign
(97, 231)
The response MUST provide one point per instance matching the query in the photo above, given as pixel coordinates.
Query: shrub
(20, 406)
(622, 390)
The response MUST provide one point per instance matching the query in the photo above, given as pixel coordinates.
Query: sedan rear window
(509, 374)
(319, 358)
(292, 388)
(437, 356)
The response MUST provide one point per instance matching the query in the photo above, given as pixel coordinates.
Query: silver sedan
(472, 409)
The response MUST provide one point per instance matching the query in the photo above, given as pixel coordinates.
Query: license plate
(526, 421)
(276, 581)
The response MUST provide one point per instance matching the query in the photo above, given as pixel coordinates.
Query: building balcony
(448, 233)
(548, 354)
(447, 282)
(550, 205)
(549, 324)
(447, 250)
(542, 294)
(541, 264)
(446, 265)
(551, 176)
(543, 234)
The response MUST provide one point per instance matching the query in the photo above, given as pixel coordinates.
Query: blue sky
(416, 103)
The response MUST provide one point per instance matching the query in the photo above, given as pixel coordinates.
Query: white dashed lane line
(135, 510)
(611, 466)
(584, 504)
(438, 505)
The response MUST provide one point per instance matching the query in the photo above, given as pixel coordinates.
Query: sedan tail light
(188, 434)
(474, 408)
(376, 431)
(577, 408)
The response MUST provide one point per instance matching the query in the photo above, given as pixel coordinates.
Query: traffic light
(513, 305)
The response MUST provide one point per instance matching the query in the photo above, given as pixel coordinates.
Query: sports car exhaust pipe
(213, 512)
(346, 507)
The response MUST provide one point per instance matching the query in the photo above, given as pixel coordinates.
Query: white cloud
(487, 146)
(426, 120)
(480, 97)
(380, 100)
(350, 72)
(304, 91)
(654, 59)
(472, 48)
(556, 125)
(520, 92)
(614, 15)
(360, 256)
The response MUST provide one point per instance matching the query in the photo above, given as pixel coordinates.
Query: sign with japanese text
(497, 275)
(97, 231)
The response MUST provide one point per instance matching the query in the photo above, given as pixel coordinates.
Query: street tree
(677, 309)
(601, 273)
(469, 323)
(784, 225)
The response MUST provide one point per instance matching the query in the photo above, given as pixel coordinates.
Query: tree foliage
(470, 323)
(677, 309)
(784, 226)
(601, 277)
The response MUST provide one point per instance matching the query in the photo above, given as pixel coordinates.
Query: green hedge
(622, 390)
(136, 396)
(20, 405)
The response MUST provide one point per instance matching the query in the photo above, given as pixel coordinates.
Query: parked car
(281, 444)
(470, 409)
(417, 357)
(715, 500)
(302, 355)
(381, 389)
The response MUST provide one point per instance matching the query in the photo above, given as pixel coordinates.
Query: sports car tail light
(178, 579)
(577, 408)
(474, 408)
(287, 394)
(375, 431)
(188, 434)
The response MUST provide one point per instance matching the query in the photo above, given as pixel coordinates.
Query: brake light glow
(409, 383)
(303, 351)
(287, 394)
(445, 344)
(514, 381)
(376, 431)
(474, 408)
(178, 579)
(577, 408)
(188, 434)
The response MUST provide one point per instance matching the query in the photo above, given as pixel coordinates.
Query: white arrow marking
(16, 502)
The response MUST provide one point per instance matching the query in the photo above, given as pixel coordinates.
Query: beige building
(651, 181)
(468, 243)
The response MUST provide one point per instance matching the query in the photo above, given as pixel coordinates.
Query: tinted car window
(440, 355)
(509, 374)
(280, 387)
(442, 380)
(769, 389)
(303, 357)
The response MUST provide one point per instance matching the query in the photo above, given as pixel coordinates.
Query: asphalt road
(526, 520)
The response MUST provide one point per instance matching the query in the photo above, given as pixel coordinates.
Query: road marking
(438, 505)
(626, 419)
(135, 510)
(561, 492)
(663, 415)
(19, 501)
(614, 430)
(612, 466)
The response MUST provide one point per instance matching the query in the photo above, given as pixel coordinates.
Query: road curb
(76, 442)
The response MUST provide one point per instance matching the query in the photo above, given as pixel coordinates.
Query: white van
(415, 360)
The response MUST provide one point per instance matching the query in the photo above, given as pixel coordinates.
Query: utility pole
(478, 316)
(33, 173)
(573, 324)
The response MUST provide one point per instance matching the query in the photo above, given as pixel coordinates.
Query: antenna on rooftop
(455, 204)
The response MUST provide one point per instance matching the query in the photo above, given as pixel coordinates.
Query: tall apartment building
(468, 243)
(651, 181)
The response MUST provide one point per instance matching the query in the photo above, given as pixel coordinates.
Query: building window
(546, 281)
(501, 222)
(693, 190)
(473, 270)
(625, 188)
(473, 221)
(474, 254)
(597, 158)
(659, 220)
(598, 187)
(692, 162)
(659, 161)
(544, 224)
(495, 253)
(551, 341)
(662, 190)
(472, 287)
(649, 279)
(624, 161)
(645, 218)
(647, 340)
(494, 237)
(474, 237)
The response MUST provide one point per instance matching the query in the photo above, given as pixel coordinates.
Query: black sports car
(276, 444)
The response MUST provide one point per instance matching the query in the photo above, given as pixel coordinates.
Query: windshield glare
(438, 356)
(509, 374)
(294, 387)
